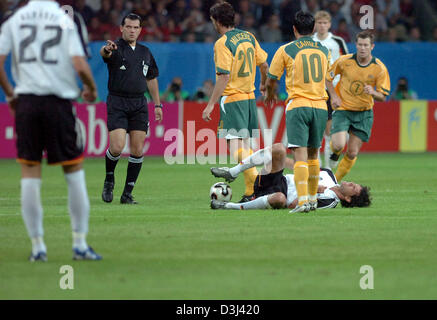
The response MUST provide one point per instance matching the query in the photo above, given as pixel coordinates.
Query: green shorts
(305, 126)
(358, 122)
(237, 119)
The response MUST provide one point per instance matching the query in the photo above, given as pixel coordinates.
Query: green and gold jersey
(306, 63)
(237, 53)
(354, 77)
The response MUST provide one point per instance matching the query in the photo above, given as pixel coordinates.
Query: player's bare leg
(117, 141)
(338, 141)
(135, 161)
(353, 148)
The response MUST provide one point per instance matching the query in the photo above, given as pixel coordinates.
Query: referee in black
(132, 69)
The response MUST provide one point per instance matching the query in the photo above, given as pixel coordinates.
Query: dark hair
(304, 23)
(131, 16)
(223, 13)
(361, 200)
(366, 34)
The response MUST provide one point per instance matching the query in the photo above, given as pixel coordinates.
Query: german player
(336, 47)
(363, 79)
(236, 55)
(277, 191)
(306, 63)
(46, 52)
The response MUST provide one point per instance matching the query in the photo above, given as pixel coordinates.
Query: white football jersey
(327, 199)
(336, 46)
(42, 39)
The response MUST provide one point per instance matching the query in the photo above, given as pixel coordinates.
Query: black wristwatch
(158, 105)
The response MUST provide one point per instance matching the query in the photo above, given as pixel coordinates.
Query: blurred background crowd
(268, 20)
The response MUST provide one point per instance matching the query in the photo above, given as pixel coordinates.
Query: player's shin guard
(32, 212)
(344, 167)
(133, 170)
(110, 164)
(301, 181)
(79, 207)
(313, 179)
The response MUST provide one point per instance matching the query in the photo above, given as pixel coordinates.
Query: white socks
(32, 212)
(258, 158)
(79, 207)
(258, 203)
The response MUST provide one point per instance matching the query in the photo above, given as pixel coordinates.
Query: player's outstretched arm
(83, 70)
(6, 85)
(220, 86)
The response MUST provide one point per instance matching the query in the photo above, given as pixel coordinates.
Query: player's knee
(136, 151)
(278, 150)
(352, 154)
(278, 200)
(337, 145)
(116, 148)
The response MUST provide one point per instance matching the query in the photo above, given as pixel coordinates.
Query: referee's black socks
(133, 170)
(111, 162)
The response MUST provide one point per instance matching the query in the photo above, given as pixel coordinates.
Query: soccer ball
(221, 191)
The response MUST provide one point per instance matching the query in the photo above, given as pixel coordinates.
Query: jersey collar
(373, 60)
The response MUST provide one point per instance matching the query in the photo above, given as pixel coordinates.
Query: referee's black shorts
(270, 183)
(47, 123)
(127, 113)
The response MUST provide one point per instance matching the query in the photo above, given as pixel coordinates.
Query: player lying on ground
(277, 191)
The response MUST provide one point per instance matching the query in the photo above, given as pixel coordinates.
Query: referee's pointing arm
(106, 50)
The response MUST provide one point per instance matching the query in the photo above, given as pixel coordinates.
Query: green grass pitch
(172, 246)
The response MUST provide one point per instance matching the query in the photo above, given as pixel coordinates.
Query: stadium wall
(194, 63)
(407, 126)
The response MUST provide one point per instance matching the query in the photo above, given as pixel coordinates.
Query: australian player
(306, 63)
(363, 79)
(236, 55)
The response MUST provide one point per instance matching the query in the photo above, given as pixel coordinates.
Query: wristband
(158, 105)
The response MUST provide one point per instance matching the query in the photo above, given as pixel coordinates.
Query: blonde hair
(322, 14)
